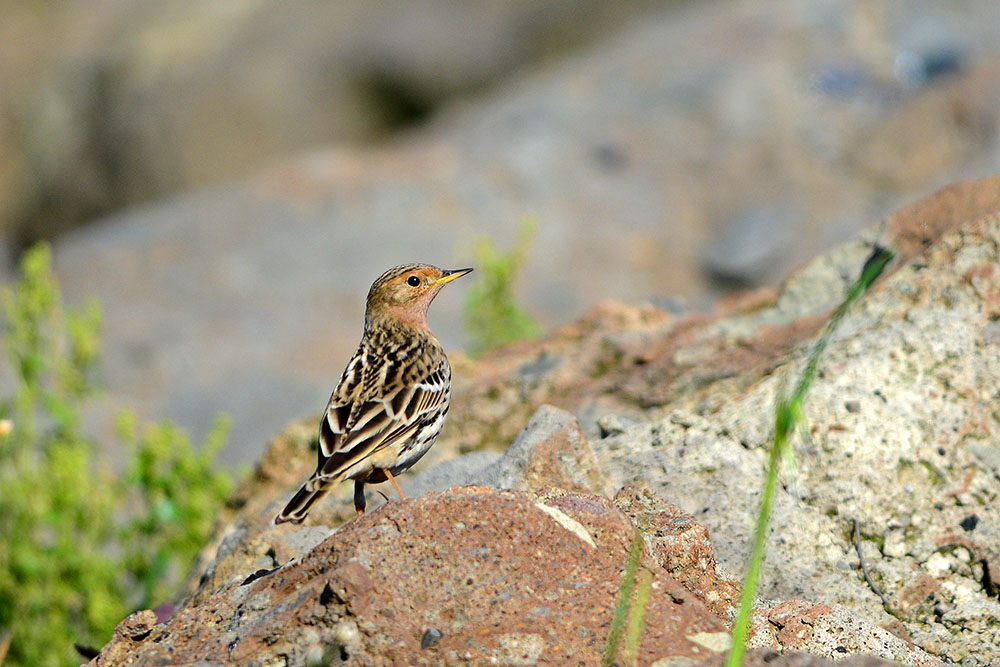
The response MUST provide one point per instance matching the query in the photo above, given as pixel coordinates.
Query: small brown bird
(389, 406)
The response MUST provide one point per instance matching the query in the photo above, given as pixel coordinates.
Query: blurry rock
(136, 102)
(914, 69)
(748, 249)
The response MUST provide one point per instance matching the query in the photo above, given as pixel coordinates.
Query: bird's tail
(298, 507)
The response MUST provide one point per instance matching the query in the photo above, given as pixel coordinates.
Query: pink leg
(402, 496)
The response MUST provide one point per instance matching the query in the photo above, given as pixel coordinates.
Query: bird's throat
(411, 316)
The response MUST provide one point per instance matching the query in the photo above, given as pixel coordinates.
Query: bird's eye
(413, 281)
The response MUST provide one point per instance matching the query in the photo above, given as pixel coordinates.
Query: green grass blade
(787, 412)
(624, 598)
(637, 618)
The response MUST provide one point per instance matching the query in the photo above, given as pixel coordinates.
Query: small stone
(969, 523)
(611, 425)
(940, 609)
(937, 565)
(852, 406)
(748, 245)
(717, 642)
(137, 626)
(895, 544)
(431, 638)
(346, 633)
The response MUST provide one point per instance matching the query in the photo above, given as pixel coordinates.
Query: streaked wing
(354, 431)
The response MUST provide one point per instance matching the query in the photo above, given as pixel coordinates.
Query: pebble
(431, 638)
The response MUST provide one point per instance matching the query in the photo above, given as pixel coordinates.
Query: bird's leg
(359, 496)
(402, 496)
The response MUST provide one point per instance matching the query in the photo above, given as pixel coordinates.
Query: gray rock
(459, 471)
(911, 464)
(130, 103)
(508, 471)
(551, 450)
(747, 250)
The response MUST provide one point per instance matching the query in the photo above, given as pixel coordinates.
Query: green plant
(80, 547)
(174, 493)
(788, 414)
(492, 315)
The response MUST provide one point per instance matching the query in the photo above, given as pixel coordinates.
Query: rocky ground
(695, 147)
(634, 419)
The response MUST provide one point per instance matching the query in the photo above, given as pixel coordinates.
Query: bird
(392, 399)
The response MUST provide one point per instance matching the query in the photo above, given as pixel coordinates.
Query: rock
(746, 253)
(136, 627)
(766, 658)
(835, 631)
(550, 451)
(487, 575)
(464, 469)
(908, 462)
(682, 546)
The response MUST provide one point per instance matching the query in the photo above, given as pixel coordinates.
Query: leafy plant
(492, 315)
(788, 414)
(80, 546)
(174, 494)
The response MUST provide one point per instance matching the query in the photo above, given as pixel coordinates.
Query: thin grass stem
(624, 598)
(787, 413)
(637, 619)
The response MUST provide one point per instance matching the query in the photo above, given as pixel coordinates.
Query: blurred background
(227, 177)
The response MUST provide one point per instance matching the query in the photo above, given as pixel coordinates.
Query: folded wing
(353, 431)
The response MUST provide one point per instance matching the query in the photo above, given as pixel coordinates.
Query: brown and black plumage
(391, 402)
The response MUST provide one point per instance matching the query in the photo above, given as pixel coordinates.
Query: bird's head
(405, 292)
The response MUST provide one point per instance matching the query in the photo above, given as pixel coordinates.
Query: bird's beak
(451, 275)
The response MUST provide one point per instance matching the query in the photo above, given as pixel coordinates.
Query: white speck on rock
(521, 648)
(717, 642)
(570, 524)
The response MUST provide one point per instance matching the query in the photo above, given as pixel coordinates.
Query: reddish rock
(467, 575)
(682, 547)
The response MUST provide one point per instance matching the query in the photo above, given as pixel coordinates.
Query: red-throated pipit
(389, 406)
